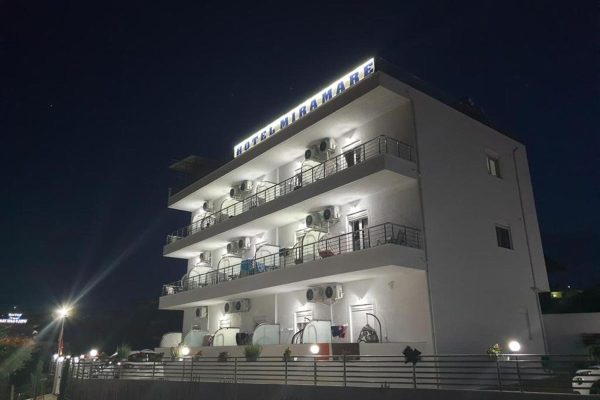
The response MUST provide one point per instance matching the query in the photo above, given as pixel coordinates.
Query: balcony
(327, 248)
(355, 156)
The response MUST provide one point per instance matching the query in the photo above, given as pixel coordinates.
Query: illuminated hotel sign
(13, 318)
(314, 102)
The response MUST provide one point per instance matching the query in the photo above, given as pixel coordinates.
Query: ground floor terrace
(384, 308)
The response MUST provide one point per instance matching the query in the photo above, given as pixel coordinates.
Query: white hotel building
(375, 202)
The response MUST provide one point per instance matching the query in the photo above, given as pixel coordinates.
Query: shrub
(287, 354)
(252, 352)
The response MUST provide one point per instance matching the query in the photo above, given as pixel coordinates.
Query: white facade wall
(481, 293)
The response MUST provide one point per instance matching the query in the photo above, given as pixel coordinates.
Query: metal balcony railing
(505, 372)
(387, 233)
(349, 158)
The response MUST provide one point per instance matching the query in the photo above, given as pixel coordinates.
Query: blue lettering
(254, 140)
(302, 112)
(313, 104)
(238, 151)
(369, 69)
(293, 116)
(271, 131)
(327, 95)
(284, 122)
(340, 88)
(263, 135)
(246, 146)
(354, 78)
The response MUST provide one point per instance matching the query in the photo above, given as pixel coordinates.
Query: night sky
(96, 101)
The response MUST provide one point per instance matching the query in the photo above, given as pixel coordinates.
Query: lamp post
(63, 313)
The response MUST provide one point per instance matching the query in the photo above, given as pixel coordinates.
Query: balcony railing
(378, 235)
(354, 156)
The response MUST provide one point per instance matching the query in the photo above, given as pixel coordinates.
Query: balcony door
(358, 225)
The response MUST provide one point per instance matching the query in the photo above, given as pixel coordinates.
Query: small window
(493, 166)
(503, 237)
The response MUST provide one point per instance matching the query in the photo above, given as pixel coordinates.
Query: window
(358, 224)
(493, 166)
(503, 237)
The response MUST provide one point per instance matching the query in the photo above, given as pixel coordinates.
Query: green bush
(252, 352)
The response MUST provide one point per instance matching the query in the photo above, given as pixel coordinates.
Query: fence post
(153, 368)
(286, 370)
(315, 370)
(345, 375)
(235, 362)
(498, 373)
(414, 372)
(518, 373)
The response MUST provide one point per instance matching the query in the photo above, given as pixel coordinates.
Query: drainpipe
(420, 185)
(534, 288)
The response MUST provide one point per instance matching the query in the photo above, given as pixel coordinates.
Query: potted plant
(197, 355)
(252, 352)
(494, 352)
(223, 356)
(287, 354)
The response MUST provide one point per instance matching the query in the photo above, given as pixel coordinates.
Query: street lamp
(62, 313)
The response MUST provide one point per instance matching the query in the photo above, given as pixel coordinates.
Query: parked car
(142, 364)
(587, 381)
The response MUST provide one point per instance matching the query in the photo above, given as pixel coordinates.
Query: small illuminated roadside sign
(312, 103)
(14, 319)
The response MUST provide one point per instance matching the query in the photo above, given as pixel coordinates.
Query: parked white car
(587, 381)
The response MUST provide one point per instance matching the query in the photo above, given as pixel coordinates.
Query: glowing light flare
(185, 351)
(93, 353)
(314, 349)
(514, 346)
(63, 312)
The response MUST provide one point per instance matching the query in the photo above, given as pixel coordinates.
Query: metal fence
(365, 151)
(521, 373)
(387, 233)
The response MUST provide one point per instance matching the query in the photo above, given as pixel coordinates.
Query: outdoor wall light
(93, 353)
(185, 351)
(314, 349)
(514, 346)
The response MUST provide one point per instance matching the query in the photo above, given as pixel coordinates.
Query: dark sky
(97, 100)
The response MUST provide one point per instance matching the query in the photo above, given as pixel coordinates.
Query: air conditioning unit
(238, 245)
(315, 295)
(246, 186)
(207, 206)
(237, 306)
(332, 292)
(327, 146)
(204, 258)
(313, 154)
(314, 220)
(241, 190)
(320, 218)
(320, 151)
(331, 213)
(235, 193)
